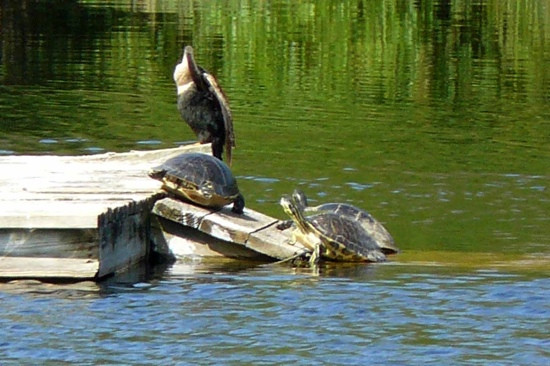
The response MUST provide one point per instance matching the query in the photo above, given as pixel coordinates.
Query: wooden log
(252, 230)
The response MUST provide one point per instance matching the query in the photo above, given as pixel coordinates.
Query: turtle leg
(300, 255)
(315, 255)
(376, 256)
(238, 205)
(285, 224)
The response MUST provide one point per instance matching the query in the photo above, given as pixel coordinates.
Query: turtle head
(384, 239)
(157, 173)
(238, 205)
(299, 198)
(287, 205)
(290, 207)
(295, 212)
(186, 71)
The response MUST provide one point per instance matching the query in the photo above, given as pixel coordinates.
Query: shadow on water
(138, 277)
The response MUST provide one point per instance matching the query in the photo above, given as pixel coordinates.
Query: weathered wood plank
(124, 236)
(25, 267)
(49, 243)
(77, 216)
(71, 191)
(180, 212)
(96, 211)
(275, 242)
(252, 230)
(183, 242)
(227, 225)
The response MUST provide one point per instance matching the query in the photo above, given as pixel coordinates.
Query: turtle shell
(200, 178)
(337, 237)
(373, 227)
(344, 239)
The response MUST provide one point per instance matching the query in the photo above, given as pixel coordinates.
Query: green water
(432, 115)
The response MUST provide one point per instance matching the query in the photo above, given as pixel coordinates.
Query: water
(225, 313)
(431, 115)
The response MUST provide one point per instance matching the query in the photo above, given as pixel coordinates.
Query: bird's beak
(183, 73)
(188, 56)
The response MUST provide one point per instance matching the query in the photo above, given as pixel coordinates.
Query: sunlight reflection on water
(346, 314)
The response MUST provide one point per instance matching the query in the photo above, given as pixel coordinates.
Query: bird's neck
(184, 87)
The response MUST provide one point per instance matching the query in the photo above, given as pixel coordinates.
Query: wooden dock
(190, 230)
(86, 217)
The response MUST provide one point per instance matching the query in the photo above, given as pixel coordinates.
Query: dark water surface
(432, 115)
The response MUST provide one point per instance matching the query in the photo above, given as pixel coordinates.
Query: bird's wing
(227, 118)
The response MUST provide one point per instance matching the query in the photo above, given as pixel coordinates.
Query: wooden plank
(183, 242)
(147, 156)
(227, 225)
(49, 243)
(124, 236)
(180, 212)
(179, 223)
(222, 224)
(25, 267)
(275, 242)
(251, 230)
(54, 214)
(77, 216)
(72, 191)
(82, 287)
(133, 156)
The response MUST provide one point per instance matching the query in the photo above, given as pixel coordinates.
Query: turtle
(373, 227)
(200, 178)
(331, 236)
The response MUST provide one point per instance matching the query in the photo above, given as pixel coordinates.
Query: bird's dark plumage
(203, 105)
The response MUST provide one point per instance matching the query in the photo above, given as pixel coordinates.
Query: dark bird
(203, 105)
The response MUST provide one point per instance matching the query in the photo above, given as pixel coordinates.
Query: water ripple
(267, 315)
